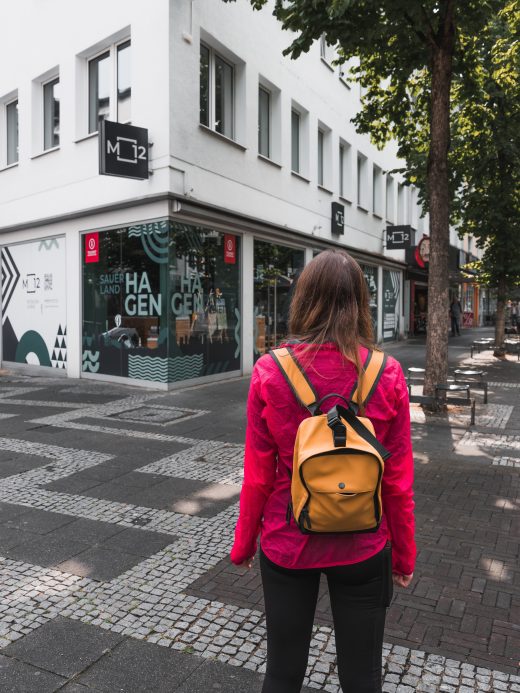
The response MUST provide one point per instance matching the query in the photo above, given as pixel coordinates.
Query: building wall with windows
(188, 274)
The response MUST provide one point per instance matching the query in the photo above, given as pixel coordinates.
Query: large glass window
(12, 132)
(124, 83)
(217, 97)
(372, 280)
(264, 118)
(276, 269)
(161, 302)
(98, 90)
(51, 114)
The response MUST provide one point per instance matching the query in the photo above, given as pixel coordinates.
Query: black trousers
(359, 596)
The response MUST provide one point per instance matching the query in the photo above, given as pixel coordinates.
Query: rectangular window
(124, 83)
(362, 166)
(390, 199)
(223, 97)
(204, 85)
(401, 211)
(11, 111)
(321, 144)
(217, 92)
(99, 85)
(264, 124)
(295, 141)
(342, 170)
(377, 191)
(51, 114)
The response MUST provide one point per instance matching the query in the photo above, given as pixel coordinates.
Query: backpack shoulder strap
(373, 367)
(294, 374)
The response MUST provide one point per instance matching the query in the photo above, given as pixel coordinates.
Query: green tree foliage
(485, 153)
(410, 54)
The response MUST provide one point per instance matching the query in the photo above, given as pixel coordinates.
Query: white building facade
(185, 275)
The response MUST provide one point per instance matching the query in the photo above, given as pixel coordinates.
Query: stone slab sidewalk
(116, 513)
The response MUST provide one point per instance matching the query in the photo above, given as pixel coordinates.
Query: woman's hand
(247, 564)
(402, 580)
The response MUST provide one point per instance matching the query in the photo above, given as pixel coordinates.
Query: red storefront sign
(92, 247)
(230, 249)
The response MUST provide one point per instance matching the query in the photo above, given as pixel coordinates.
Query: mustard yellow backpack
(338, 462)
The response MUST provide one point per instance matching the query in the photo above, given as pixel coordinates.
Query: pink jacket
(273, 417)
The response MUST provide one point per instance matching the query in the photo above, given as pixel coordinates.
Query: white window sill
(299, 175)
(345, 199)
(87, 137)
(45, 151)
(219, 136)
(344, 82)
(363, 209)
(325, 189)
(5, 168)
(379, 216)
(269, 161)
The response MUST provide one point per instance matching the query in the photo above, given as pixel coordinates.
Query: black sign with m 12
(337, 218)
(399, 237)
(123, 150)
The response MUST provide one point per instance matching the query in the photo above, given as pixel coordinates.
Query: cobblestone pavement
(116, 514)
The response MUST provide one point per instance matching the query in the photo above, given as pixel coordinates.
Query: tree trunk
(439, 206)
(500, 322)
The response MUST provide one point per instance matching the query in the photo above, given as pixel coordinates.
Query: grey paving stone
(18, 677)
(136, 667)
(88, 531)
(217, 676)
(177, 495)
(138, 541)
(98, 563)
(45, 550)
(40, 521)
(12, 536)
(63, 646)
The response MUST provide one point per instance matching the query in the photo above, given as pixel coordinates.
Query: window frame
(265, 90)
(111, 51)
(297, 151)
(10, 102)
(213, 55)
(43, 85)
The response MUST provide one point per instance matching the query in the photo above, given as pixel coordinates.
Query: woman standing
(331, 334)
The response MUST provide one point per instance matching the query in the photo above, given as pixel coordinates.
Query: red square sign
(92, 247)
(230, 249)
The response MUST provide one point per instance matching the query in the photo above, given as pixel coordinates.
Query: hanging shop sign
(123, 150)
(337, 218)
(399, 237)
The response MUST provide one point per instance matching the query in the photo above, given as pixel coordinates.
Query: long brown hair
(331, 304)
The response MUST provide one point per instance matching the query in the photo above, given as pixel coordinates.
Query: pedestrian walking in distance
(455, 313)
(331, 407)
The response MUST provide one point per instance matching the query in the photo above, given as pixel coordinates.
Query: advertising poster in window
(371, 277)
(391, 293)
(161, 303)
(34, 319)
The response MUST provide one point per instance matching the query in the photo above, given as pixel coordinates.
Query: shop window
(391, 305)
(371, 277)
(276, 269)
(161, 302)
